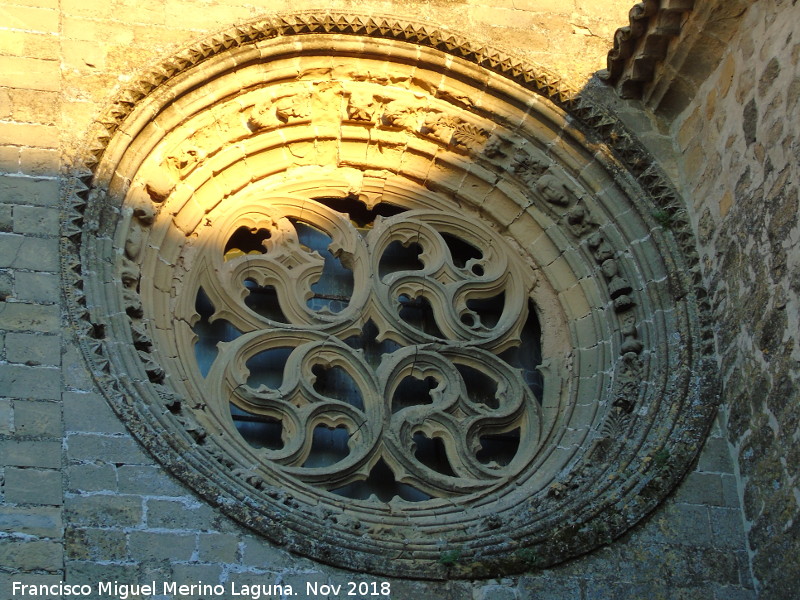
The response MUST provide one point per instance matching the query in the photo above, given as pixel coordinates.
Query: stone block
(176, 514)
(37, 287)
(729, 592)
(87, 572)
(36, 521)
(22, 381)
(6, 582)
(730, 491)
(119, 449)
(95, 544)
(35, 106)
(17, 316)
(715, 457)
(31, 555)
(88, 410)
(30, 18)
(684, 524)
(6, 285)
(218, 548)
(74, 371)
(258, 553)
(6, 217)
(189, 573)
(161, 546)
(37, 418)
(495, 592)
(36, 254)
(26, 453)
(32, 486)
(9, 161)
(5, 416)
(103, 510)
(32, 349)
(28, 190)
(91, 478)
(727, 527)
(28, 134)
(38, 74)
(147, 480)
(37, 220)
(701, 488)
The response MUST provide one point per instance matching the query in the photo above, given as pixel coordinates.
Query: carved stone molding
(640, 46)
(356, 285)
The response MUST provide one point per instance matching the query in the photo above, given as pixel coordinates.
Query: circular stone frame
(380, 110)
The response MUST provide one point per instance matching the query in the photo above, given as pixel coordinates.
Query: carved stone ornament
(392, 299)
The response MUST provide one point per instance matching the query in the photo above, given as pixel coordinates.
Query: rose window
(390, 298)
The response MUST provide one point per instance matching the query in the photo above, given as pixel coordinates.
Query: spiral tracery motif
(475, 294)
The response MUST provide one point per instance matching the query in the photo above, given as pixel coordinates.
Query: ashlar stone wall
(739, 147)
(81, 502)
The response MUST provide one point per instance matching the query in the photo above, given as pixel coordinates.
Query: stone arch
(277, 115)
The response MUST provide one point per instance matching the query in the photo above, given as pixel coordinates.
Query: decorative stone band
(355, 237)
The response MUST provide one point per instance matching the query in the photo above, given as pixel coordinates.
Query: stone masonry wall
(81, 502)
(739, 143)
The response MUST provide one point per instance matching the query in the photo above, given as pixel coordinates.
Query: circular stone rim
(85, 187)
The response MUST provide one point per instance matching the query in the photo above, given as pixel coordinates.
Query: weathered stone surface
(33, 555)
(95, 544)
(751, 267)
(25, 453)
(36, 521)
(178, 514)
(739, 177)
(93, 478)
(22, 381)
(37, 418)
(17, 316)
(32, 349)
(86, 411)
(103, 510)
(109, 448)
(159, 546)
(32, 486)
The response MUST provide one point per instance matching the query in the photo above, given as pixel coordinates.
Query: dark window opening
(368, 342)
(333, 289)
(528, 355)
(336, 383)
(413, 392)
(418, 313)
(267, 367)
(263, 300)
(209, 333)
(432, 453)
(328, 446)
(398, 257)
(259, 431)
(361, 216)
(487, 310)
(382, 484)
(246, 240)
(499, 448)
(460, 251)
(481, 388)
